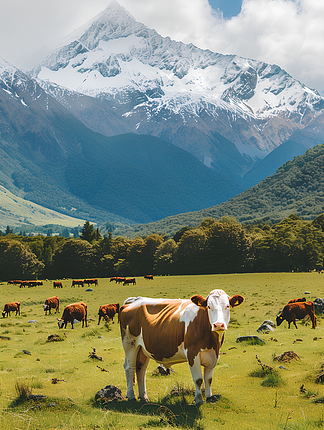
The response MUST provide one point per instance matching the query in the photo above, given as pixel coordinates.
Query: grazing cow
(78, 282)
(91, 281)
(174, 331)
(52, 302)
(129, 281)
(74, 311)
(119, 279)
(298, 311)
(301, 299)
(113, 278)
(14, 282)
(108, 312)
(11, 307)
(57, 284)
(148, 277)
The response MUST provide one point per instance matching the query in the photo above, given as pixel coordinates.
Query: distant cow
(52, 303)
(91, 281)
(108, 312)
(57, 284)
(298, 311)
(119, 279)
(301, 299)
(174, 331)
(113, 278)
(148, 277)
(129, 281)
(11, 307)
(78, 282)
(74, 311)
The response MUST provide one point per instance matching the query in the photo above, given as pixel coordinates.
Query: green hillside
(297, 187)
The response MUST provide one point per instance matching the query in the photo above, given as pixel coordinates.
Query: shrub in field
(23, 391)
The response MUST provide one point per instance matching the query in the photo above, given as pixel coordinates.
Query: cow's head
(46, 307)
(3, 314)
(218, 305)
(279, 319)
(60, 323)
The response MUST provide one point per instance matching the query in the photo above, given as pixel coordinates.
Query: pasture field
(287, 397)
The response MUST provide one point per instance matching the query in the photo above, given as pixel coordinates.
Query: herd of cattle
(190, 331)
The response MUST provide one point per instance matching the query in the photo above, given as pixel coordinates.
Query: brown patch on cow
(161, 318)
(199, 382)
(199, 336)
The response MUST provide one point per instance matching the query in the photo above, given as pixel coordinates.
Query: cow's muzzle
(219, 326)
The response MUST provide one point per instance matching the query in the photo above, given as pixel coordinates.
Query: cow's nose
(219, 326)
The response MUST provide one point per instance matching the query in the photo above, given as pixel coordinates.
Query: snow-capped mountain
(49, 157)
(226, 110)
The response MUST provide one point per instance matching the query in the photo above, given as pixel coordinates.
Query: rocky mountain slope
(296, 188)
(228, 111)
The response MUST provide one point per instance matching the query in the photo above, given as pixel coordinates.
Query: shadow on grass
(175, 410)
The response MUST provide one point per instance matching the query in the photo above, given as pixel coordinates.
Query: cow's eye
(208, 307)
(227, 307)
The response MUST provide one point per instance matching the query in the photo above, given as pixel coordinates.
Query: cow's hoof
(143, 399)
(213, 399)
(199, 400)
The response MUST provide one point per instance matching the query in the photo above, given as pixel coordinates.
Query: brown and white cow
(91, 281)
(11, 307)
(297, 310)
(52, 303)
(107, 312)
(75, 311)
(130, 281)
(174, 331)
(78, 282)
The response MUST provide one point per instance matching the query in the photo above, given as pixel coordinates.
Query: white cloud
(285, 32)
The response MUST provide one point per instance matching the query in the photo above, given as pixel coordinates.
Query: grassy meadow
(252, 396)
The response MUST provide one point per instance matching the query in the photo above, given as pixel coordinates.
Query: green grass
(263, 401)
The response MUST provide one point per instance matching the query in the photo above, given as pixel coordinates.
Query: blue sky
(229, 8)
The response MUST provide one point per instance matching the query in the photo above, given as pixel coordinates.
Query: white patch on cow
(188, 314)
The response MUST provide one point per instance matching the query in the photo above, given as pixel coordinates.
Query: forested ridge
(296, 188)
(214, 246)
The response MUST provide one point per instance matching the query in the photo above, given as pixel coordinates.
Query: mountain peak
(112, 23)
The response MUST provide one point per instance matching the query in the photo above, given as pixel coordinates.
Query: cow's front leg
(208, 376)
(208, 359)
(198, 380)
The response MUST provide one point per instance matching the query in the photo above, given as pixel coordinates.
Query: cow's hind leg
(129, 366)
(141, 365)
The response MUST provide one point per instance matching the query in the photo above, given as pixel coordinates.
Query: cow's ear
(236, 300)
(199, 301)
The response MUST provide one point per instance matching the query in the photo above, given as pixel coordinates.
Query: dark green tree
(75, 258)
(17, 262)
(88, 232)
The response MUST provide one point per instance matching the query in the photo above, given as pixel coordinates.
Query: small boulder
(109, 394)
(265, 328)
(319, 305)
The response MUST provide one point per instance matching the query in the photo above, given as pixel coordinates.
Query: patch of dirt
(286, 357)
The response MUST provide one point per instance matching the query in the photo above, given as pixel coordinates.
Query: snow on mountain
(149, 79)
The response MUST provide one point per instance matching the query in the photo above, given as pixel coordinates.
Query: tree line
(214, 246)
